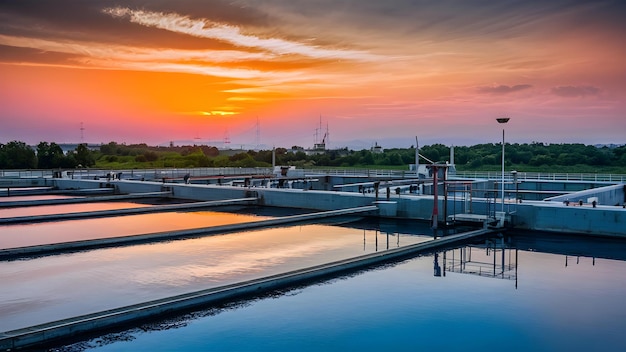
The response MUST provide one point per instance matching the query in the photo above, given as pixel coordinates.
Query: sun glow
(218, 113)
(377, 71)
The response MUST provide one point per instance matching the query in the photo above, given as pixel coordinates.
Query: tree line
(534, 156)
(19, 155)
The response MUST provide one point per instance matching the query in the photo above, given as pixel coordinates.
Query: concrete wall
(603, 220)
(540, 190)
(24, 182)
(608, 195)
(123, 186)
(531, 215)
(558, 186)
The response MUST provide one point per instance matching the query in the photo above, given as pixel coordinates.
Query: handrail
(156, 173)
(544, 176)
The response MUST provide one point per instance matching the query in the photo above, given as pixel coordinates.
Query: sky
(246, 73)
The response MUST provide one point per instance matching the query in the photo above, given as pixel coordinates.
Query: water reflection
(22, 235)
(393, 306)
(445, 290)
(33, 197)
(499, 257)
(492, 258)
(66, 208)
(41, 289)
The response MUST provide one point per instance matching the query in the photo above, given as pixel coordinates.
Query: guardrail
(361, 172)
(25, 173)
(491, 175)
(148, 174)
(543, 176)
(157, 174)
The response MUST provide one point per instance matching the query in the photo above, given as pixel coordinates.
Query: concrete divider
(31, 203)
(9, 253)
(49, 332)
(119, 212)
(43, 191)
(25, 191)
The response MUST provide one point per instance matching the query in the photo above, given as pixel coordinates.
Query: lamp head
(503, 119)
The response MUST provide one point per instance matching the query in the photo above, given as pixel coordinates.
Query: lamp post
(503, 120)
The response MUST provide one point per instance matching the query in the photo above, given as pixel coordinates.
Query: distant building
(319, 146)
(70, 147)
(376, 149)
(295, 149)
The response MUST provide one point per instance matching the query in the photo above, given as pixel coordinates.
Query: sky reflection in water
(66, 208)
(555, 307)
(54, 287)
(75, 230)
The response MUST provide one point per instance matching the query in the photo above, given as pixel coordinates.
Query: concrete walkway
(12, 253)
(119, 212)
(46, 333)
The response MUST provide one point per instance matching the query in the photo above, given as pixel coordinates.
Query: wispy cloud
(104, 56)
(204, 28)
(575, 91)
(128, 53)
(503, 89)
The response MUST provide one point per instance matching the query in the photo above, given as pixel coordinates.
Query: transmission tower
(258, 134)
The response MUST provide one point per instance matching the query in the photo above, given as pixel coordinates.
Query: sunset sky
(212, 71)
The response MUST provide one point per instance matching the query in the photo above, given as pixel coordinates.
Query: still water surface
(546, 294)
(49, 288)
(12, 236)
(32, 197)
(544, 302)
(66, 208)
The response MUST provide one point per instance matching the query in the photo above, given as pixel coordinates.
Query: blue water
(536, 302)
(44, 289)
(539, 293)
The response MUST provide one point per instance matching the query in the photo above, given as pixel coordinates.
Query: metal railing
(25, 173)
(543, 176)
(148, 174)
(361, 172)
(233, 171)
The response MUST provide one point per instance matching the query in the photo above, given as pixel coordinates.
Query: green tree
(84, 156)
(17, 155)
(151, 156)
(567, 159)
(539, 160)
(394, 159)
(109, 149)
(49, 156)
(366, 158)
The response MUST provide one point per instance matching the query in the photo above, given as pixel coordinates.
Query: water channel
(517, 293)
(538, 302)
(43, 289)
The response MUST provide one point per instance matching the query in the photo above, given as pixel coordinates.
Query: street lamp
(503, 120)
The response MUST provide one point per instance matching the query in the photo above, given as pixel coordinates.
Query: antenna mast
(417, 156)
(258, 134)
(226, 139)
(327, 136)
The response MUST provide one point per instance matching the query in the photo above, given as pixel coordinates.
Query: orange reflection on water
(33, 197)
(77, 283)
(67, 208)
(245, 255)
(75, 230)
